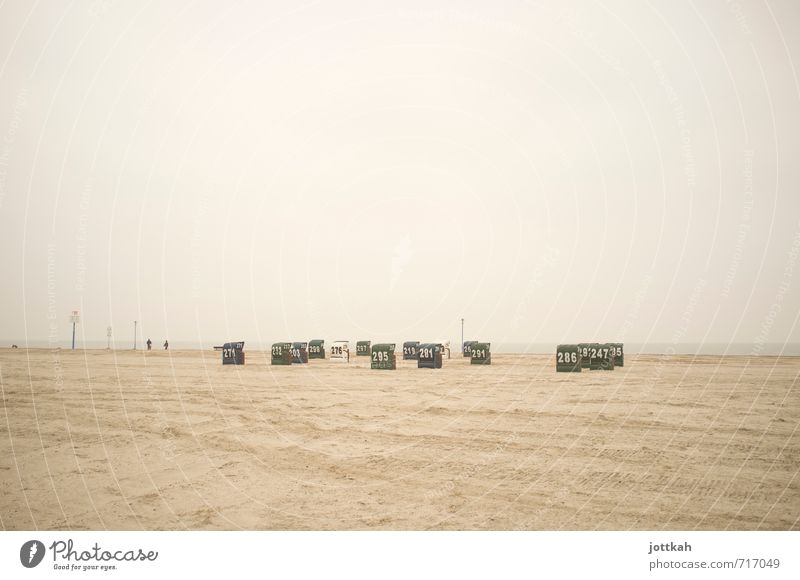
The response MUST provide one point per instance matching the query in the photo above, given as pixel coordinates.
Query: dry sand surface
(174, 440)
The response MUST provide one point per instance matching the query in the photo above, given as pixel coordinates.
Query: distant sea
(712, 348)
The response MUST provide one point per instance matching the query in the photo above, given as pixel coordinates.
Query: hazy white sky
(550, 171)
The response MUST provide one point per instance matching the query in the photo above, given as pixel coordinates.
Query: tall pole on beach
(75, 320)
(134, 335)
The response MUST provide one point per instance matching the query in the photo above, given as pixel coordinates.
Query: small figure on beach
(166, 345)
(149, 344)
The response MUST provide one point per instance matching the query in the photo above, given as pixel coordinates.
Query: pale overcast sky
(550, 171)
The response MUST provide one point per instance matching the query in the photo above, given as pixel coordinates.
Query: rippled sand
(128, 440)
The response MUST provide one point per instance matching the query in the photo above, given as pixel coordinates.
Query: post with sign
(108, 334)
(75, 320)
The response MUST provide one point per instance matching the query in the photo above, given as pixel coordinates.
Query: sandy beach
(126, 440)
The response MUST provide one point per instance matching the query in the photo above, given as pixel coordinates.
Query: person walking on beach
(149, 344)
(166, 345)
